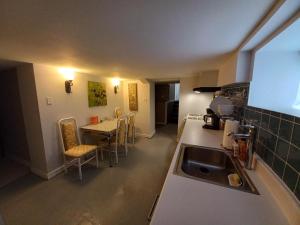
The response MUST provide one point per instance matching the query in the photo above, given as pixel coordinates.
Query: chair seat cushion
(80, 150)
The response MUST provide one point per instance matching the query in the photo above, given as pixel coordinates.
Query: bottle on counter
(243, 149)
(236, 149)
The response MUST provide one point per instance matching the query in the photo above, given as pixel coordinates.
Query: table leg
(84, 137)
(109, 143)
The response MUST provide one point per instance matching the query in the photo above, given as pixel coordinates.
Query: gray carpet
(108, 196)
(1, 221)
(10, 171)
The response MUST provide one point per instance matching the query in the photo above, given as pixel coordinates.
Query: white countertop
(185, 201)
(106, 126)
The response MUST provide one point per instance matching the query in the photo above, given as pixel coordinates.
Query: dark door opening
(166, 102)
(14, 150)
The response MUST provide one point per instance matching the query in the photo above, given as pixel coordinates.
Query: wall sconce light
(68, 86)
(69, 74)
(116, 84)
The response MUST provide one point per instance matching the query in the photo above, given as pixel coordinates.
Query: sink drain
(204, 170)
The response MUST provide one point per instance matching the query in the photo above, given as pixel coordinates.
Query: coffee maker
(212, 120)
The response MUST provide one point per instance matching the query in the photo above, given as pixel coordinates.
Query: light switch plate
(49, 100)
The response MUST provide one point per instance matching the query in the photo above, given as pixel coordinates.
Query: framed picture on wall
(133, 96)
(96, 94)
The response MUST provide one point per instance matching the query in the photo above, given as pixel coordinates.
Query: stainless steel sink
(211, 165)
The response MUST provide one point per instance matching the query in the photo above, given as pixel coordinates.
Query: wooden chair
(118, 112)
(74, 153)
(118, 141)
(131, 127)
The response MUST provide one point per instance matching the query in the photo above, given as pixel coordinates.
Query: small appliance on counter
(231, 126)
(220, 108)
(212, 120)
(193, 116)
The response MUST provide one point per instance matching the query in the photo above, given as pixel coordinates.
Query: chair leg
(97, 161)
(65, 165)
(116, 154)
(110, 158)
(133, 135)
(126, 149)
(101, 151)
(65, 168)
(79, 170)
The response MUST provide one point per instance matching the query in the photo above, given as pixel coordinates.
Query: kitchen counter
(185, 201)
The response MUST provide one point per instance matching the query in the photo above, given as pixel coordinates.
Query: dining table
(106, 128)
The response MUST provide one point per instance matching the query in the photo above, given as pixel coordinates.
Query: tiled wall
(277, 140)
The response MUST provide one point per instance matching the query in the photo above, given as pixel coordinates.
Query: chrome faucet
(250, 137)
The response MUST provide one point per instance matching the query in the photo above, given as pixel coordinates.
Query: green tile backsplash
(296, 135)
(265, 120)
(278, 137)
(278, 166)
(290, 177)
(282, 149)
(274, 124)
(294, 157)
(285, 130)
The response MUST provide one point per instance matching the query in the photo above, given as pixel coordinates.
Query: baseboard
(152, 134)
(141, 135)
(19, 160)
(149, 135)
(54, 172)
(161, 123)
(39, 173)
(48, 175)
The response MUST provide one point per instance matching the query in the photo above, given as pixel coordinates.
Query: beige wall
(145, 115)
(152, 108)
(32, 121)
(236, 68)
(50, 83)
(227, 72)
(190, 102)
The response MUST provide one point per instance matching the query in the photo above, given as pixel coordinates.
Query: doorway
(14, 151)
(166, 102)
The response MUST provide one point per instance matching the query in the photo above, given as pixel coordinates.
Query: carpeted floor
(108, 196)
(11, 171)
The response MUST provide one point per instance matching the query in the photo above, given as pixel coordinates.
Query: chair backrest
(68, 134)
(121, 133)
(131, 121)
(118, 112)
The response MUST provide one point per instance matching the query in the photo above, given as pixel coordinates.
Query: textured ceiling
(137, 38)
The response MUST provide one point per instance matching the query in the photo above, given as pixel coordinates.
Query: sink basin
(211, 165)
